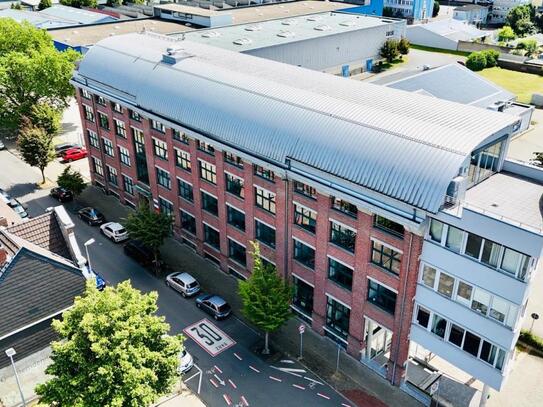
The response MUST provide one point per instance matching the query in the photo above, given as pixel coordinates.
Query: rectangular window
(165, 207)
(234, 185)
(85, 93)
(454, 239)
(381, 296)
(120, 128)
(265, 234)
(474, 244)
(305, 218)
(141, 157)
(89, 113)
(491, 253)
(208, 172)
(305, 190)
(445, 285)
(488, 352)
(185, 190)
(160, 148)
(135, 116)
(337, 317)
(342, 236)
(471, 343)
(436, 230)
(116, 107)
(340, 274)
(212, 237)
(463, 293)
(179, 136)
(515, 263)
(423, 317)
(156, 125)
(235, 217)
(304, 254)
(108, 147)
(112, 176)
(93, 139)
(388, 226)
(456, 335)
(103, 121)
(210, 204)
(439, 326)
(98, 168)
(182, 159)
(429, 276)
(344, 206)
(128, 185)
(481, 301)
(385, 257)
(237, 252)
(303, 296)
(124, 156)
(206, 147)
(188, 222)
(498, 310)
(265, 199)
(263, 173)
(100, 100)
(163, 178)
(233, 159)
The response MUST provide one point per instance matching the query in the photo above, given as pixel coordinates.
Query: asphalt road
(236, 376)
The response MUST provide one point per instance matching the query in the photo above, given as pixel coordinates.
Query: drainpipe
(286, 243)
(402, 309)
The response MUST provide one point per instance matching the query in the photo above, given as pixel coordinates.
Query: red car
(74, 154)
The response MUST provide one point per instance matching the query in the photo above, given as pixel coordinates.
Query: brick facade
(410, 245)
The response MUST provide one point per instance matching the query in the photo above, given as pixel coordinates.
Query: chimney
(3, 256)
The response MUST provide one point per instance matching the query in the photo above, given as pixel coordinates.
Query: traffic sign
(301, 328)
(434, 387)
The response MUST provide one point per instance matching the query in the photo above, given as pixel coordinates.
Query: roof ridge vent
(253, 27)
(292, 21)
(286, 34)
(322, 27)
(211, 34)
(173, 55)
(243, 41)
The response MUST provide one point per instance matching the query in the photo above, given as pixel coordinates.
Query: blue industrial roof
(34, 18)
(75, 15)
(403, 145)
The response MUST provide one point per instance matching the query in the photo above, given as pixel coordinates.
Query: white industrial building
(333, 42)
(443, 34)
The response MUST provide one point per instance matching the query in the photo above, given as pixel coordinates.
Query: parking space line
(237, 356)
(275, 378)
(244, 400)
(298, 386)
(254, 369)
(232, 384)
(324, 396)
(217, 368)
(227, 399)
(214, 383)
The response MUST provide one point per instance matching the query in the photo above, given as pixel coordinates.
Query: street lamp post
(87, 244)
(10, 353)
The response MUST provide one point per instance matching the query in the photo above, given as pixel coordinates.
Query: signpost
(301, 329)
(535, 317)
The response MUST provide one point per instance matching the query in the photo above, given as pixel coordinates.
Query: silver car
(183, 283)
(185, 362)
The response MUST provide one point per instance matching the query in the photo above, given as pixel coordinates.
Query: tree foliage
(403, 46)
(389, 50)
(266, 297)
(36, 148)
(80, 3)
(480, 60)
(44, 4)
(32, 73)
(46, 117)
(149, 227)
(506, 34)
(529, 46)
(72, 180)
(114, 351)
(521, 20)
(388, 12)
(16, 6)
(435, 9)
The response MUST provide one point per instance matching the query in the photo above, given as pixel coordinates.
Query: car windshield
(223, 308)
(93, 213)
(120, 231)
(19, 209)
(192, 285)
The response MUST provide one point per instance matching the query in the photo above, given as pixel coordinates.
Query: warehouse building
(335, 42)
(389, 211)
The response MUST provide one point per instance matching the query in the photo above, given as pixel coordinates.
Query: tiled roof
(33, 287)
(44, 231)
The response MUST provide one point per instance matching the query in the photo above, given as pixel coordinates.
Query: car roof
(215, 299)
(114, 225)
(185, 277)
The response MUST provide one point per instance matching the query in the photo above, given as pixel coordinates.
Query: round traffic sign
(301, 328)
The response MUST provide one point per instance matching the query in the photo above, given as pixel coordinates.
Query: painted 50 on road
(209, 337)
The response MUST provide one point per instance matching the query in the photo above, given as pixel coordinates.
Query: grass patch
(520, 83)
(440, 50)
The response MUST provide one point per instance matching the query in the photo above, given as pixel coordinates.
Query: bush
(529, 45)
(403, 46)
(506, 34)
(389, 50)
(491, 57)
(476, 61)
(532, 340)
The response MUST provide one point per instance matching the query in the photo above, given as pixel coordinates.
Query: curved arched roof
(403, 145)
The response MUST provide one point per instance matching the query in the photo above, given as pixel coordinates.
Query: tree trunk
(42, 175)
(266, 350)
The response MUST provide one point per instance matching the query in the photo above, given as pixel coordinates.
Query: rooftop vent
(243, 41)
(314, 18)
(456, 192)
(255, 27)
(348, 23)
(323, 27)
(211, 34)
(286, 34)
(289, 22)
(387, 21)
(174, 55)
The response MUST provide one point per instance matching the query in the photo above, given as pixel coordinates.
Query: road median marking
(324, 396)
(275, 378)
(232, 384)
(226, 398)
(238, 357)
(298, 386)
(254, 369)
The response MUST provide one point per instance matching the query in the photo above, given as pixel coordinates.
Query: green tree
(476, 61)
(388, 12)
(435, 9)
(521, 19)
(46, 117)
(506, 34)
(149, 227)
(491, 56)
(72, 180)
(114, 351)
(36, 147)
(389, 50)
(16, 6)
(403, 46)
(44, 4)
(266, 297)
(529, 46)
(32, 73)
(79, 3)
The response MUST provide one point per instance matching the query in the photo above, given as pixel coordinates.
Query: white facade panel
(471, 365)
(421, 36)
(469, 319)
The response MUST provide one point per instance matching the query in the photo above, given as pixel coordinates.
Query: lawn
(520, 83)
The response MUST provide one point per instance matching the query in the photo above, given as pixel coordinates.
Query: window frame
(160, 149)
(305, 218)
(208, 171)
(340, 233)
(298, 249)
(387, 261)
(163, 178)
(265, 228)
(265, 199)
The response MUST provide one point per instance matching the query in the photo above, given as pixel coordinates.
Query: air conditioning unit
(456, 191)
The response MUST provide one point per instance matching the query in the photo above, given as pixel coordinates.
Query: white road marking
(221, 381)
(287, 361)
(345, 405)
(209, 337)
(286, 371)
(324, 396)
(254, 369)
(275, 378)
(232, 384)
(237, 356)
(217, 369)
(244, 400)
(298, 386)
(227, 399)
(214, 383)
(313, 380)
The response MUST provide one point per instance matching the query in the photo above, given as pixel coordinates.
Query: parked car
(114, 231)
(61, 194)
(91, 216)
(62, 147)
(73, 154)
(139, 252)
(2, 145)
(185, 362)
(184, 283)
(100, 281)
(214, 305)
(21, 211)
(17, 206)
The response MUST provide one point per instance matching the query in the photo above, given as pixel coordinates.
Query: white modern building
(501, 8)
(472, 13)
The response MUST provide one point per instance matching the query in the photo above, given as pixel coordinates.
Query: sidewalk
(356, 381)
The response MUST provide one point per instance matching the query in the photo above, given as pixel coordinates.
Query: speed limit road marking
(209, 337)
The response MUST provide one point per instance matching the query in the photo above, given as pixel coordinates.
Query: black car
(139, 252)
(60, 148)
(91, 216)
(62, 194)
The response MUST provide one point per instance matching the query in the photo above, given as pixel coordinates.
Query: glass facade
(304, 254)
(337, 317)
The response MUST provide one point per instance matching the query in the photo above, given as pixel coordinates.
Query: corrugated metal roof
(75, 15)
(403, 145)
